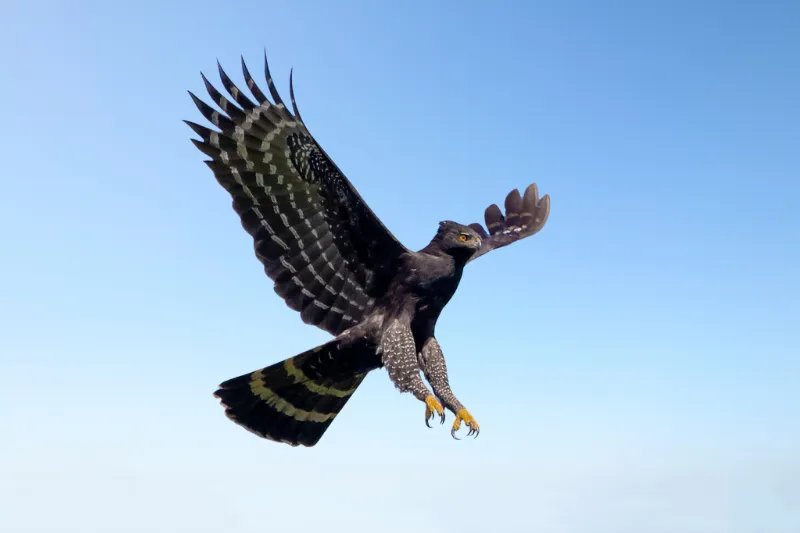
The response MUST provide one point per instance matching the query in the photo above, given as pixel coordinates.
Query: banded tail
(295, 401)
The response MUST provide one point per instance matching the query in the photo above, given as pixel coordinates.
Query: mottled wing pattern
(525, 216)
(327, 252)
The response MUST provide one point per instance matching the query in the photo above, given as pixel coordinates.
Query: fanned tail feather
(296, 400)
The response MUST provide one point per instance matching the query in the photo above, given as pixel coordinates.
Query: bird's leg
(399, 356)
(435, 369)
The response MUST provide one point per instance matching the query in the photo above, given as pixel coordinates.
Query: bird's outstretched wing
(525, 216)
(327, 252)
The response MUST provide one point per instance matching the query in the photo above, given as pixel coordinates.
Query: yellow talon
(432, 405)
(463, 415)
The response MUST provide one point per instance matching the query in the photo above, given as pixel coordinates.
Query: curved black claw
(432, 408)
(428, 418)
(464, 416)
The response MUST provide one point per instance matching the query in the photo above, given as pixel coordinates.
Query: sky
(634, 367)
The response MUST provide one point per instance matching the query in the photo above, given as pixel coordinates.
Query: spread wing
(327, 252)
(525, 216)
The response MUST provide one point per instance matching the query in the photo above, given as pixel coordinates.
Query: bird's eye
(463, 237)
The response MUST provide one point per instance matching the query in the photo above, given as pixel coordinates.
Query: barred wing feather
(327, 252)
(525, 216)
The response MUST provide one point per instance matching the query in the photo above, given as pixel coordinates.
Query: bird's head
(457, 239)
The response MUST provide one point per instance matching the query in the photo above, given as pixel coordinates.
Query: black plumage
(332, 260)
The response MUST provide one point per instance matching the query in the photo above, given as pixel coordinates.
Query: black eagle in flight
(333, 260)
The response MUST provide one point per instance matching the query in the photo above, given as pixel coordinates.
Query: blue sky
(634, 366)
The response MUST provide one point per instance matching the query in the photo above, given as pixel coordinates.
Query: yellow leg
(464, 416)
(432, 406)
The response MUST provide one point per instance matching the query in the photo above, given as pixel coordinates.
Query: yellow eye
(463, 237)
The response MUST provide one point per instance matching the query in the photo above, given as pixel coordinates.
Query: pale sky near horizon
(634, 367)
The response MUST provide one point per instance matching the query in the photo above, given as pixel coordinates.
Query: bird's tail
(295, 401)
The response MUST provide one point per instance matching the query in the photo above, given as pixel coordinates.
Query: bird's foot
(432, 406)
(464, 416)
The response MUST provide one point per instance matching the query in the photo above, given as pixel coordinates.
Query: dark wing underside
(327, 252)
(525, 216)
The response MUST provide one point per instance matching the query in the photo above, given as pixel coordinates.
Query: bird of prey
(332, 260)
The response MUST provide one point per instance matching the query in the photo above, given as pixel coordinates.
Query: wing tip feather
(271, 83)
(291, 95)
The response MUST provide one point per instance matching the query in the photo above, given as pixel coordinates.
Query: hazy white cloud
(264, 489)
